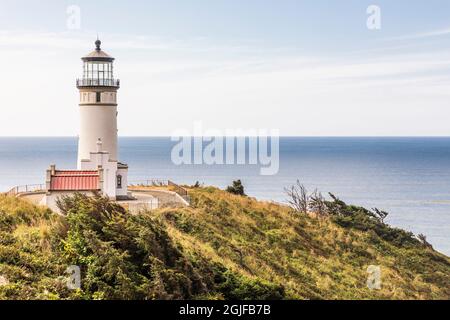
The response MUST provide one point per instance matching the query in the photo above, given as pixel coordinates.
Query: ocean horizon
(407, 176)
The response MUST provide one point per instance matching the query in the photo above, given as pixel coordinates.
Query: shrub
(237, 287)
(124, 256)
(237, 188)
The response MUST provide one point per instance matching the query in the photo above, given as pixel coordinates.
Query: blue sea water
(409, 177)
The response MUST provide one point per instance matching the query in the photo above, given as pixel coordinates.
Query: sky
(305, 68)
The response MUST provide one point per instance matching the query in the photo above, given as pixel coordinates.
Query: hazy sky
(303, 67)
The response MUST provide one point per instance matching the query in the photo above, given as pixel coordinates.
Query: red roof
(75, 180)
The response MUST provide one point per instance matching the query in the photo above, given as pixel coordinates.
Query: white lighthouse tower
(98, 105)
(97, 144)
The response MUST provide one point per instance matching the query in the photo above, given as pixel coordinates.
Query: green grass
(222, 247)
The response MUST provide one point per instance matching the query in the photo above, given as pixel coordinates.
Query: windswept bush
(237, 188)
(348, 216)
(360, 218)
(124, 256)
(237, 287)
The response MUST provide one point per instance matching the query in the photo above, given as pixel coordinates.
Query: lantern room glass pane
(98, 72)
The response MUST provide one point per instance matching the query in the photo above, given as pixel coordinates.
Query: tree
(380, 214)
(317, 203)
(423, 239)
(237, 188)
(196, 185)
(298, 197)
(336, 207)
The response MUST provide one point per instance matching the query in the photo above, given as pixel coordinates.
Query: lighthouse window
(99, 73)
(119, 182)
(89, 70)
(98, 96)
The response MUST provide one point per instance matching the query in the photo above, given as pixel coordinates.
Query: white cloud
(422, 35)
(169, 84)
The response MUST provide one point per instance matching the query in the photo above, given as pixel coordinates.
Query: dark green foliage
(223, 247)
(237, 188)
(133, 257)
(380, 214)
(360, 218)
(423, 239)
(124, 256)
(236, 287)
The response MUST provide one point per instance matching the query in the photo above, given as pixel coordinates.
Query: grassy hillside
(223, 247)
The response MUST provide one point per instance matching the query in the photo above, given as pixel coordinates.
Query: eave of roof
(97, 55)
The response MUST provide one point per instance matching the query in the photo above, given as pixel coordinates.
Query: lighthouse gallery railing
(98, 82)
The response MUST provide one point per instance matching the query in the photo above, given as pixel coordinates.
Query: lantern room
(98, 69)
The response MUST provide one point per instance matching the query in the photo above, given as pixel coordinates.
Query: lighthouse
(97, 142)
(98, 105)
(98, 168)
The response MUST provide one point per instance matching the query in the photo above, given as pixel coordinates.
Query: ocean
(408, 177)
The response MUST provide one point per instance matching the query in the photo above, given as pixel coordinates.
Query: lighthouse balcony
(115, 83)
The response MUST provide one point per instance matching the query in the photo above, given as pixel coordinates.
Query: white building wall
(51, 198)
(97, 121)
(109, 168)
(109, 179)
(123, 172)
(90, 97)
(108, 97)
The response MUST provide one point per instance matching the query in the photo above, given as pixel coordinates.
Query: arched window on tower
(119, 181)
